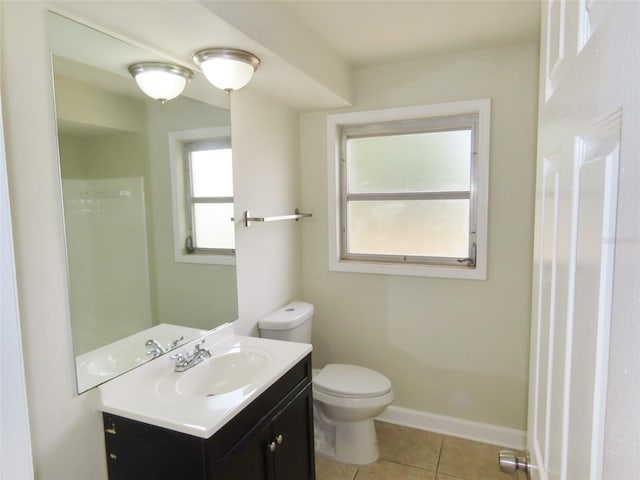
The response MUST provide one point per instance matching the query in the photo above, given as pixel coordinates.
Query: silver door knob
(279, 439)
(511, 464)
(272, 447)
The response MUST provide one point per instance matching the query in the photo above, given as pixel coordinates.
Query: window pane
(211, 173)
(434, 228)
(432, 162)
(213, 225)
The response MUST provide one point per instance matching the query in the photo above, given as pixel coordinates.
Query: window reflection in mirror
(202, 182)
(126, 287)
(210, 198)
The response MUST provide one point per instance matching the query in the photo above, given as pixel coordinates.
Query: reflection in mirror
(138, 287)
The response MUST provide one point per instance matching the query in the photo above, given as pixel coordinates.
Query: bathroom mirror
(135, 291)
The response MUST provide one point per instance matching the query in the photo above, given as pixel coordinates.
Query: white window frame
(337, 122)
(177, 161)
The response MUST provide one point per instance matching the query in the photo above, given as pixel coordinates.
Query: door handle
(511, 464)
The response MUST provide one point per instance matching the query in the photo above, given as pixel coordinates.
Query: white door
(584, 401)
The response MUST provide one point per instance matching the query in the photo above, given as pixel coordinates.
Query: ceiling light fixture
(227, 68)
(161, 81)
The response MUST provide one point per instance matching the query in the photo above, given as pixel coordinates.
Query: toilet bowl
(346, 397)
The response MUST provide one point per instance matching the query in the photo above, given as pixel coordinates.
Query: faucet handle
(203, 351)
(174, 344)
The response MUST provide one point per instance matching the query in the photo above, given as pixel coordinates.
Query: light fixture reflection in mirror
(126, 286)
(161, 81)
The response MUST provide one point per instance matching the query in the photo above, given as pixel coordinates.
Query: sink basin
(109, 365)
(218, 375)
(201, 400)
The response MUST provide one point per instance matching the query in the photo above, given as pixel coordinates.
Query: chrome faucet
(175, 343)
(157, 348)
(184, 361)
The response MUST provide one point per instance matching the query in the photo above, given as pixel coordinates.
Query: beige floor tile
(440, 476)
(327, 469)
(469, 460)
(383, 470)
(408, 446)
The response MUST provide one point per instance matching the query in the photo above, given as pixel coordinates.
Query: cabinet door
(281, 449)
(292, 430)
(250, 459)
(137, 451)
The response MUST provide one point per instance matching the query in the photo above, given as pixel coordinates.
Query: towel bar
(275, 218)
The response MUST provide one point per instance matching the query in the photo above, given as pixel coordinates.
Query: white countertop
(142, 393)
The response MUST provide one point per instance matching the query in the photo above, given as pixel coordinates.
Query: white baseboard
(456, 427)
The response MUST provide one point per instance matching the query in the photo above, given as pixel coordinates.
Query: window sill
(412, 270)
(206, 259)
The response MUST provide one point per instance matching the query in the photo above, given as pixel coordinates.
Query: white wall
(15, 440)
(66, 428)
(66, 434)
(266, 182)
(451, 347)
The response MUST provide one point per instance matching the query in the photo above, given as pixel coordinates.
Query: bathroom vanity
(215, 430)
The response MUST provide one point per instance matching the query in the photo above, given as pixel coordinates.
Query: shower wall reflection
(108, 255)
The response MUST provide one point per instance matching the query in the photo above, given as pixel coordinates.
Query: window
(203, 196)
(409, 190)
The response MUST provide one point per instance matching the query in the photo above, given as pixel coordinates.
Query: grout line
(455, 477)
(417, 467)
(439, 455)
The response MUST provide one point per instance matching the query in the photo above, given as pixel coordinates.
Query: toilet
(346, 397)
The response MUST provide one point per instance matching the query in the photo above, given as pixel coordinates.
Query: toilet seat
(350, 381)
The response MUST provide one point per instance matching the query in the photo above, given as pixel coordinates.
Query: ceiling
(365, 32)
(314, 44)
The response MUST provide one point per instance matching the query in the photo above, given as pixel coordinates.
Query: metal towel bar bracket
(296, 216)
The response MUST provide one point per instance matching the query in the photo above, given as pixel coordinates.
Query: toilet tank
(291, 322)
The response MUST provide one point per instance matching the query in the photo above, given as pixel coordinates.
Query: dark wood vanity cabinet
(271, 439)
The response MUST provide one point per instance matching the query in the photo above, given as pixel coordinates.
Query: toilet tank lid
(288, 316)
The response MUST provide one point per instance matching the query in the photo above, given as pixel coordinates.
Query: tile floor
(410, 454)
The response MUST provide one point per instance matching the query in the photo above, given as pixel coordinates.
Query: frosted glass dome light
(227, 68)
(161, 81)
